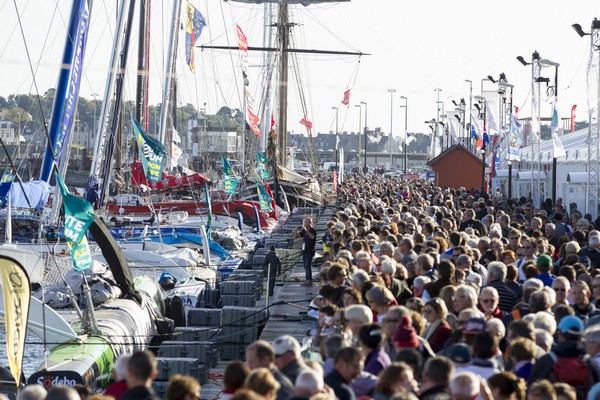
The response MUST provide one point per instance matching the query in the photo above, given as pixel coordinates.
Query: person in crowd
(309, 240)
(32, 392)
(234, 377)
(288, 358)
(438, 331)
(308, 384)
(396, 378)
(261, 381)
(261, 354)
(64, 393)
(141, 372)
(119, 373)
(496, 278)
(465, 385)
(562, 288)
(182, 387)
(272, 268)
(348, 365)
(584, 309)
(506, 386)
(371, 339)
(437, 373)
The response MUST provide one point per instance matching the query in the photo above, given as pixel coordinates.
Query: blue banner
(194, 24)
(230, 180)
(263, 162)
(152, 154)
(513, 153)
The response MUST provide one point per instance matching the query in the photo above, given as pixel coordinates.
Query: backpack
(574, 371)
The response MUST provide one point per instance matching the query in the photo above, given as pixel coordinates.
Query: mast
(283, 81)
(169, 74)
(141, 110)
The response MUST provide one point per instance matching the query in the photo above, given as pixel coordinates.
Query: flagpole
(391, 92)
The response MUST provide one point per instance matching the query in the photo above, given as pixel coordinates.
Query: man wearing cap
(544, 264)
(288, 358)
(261, 354)
(570, 331)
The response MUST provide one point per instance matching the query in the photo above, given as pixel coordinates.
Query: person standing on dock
(272, 268)
(309, 242)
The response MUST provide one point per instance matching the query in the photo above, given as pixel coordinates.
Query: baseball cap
(460, 354)
(474, 326)
(571, 324)
(286, 343)
(544, 260)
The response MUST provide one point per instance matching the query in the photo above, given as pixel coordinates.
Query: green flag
(262, 166)
(79, 215)
(264, 198)
(229, 177)
(152, 153)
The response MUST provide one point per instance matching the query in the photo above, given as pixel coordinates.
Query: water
(33, 355)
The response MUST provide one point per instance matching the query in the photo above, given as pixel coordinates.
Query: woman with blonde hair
(438, 330)
(261, 381)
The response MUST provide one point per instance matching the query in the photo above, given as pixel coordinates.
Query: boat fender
(176, 311)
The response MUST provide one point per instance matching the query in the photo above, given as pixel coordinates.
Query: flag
(409, 138)
(513, 139)
(573, 109)
(16, 295)
(230, 179)
(176, 137)
(262, 166)
(209, 208)
(486, 139)
(79, 215)
(176, 152)
(272, 122)
(346, 99)
(241, 38)
(268, 189)
(264, 198)
(557, 147)
(7, 176)
(152, 153)
(253, 121)
(304, 121)
(452, 130)
(194, 24)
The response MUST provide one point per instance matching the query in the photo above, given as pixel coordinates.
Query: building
(457, 167)
(8, 132)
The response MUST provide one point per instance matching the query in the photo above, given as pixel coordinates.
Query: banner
(7, 176)
(262, 166)
(16, 294)
(241, 38)
(209, 208)
(346, 99)
(79, 215)
(229, 177)
(263, 198)
(513, 139)
(194, 24)
(152, 154)
(558, 149)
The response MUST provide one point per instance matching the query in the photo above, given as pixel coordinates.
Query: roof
(450, 150)
(574, 143)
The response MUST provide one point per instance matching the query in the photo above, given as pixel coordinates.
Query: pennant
(79, 215)
(209, 208)
(557, 146)
(194, 24)
(573, 109)
(230, 180)
(346, 99)
(253, 121)
(241, 38)
(16, 295)
(153, 154)
(176, 137)
(264, 198)
(452, 130)
(262, 166)
(304, 121)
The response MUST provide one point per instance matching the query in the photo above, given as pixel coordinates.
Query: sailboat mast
(283, 81)
(169, 74)
(141, 110)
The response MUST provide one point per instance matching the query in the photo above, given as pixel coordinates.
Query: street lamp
(365, 169)
(405, 106)
(509, 179)
(437, 119)
(359, 130)
(468, 134)
(336, 137)
(593, 166)
(544, 61)
(391, 92)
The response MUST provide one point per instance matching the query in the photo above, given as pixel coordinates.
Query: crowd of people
(427, 293)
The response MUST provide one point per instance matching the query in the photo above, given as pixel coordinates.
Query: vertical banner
(16, 294)
(264, 198)
(79, 215)
(513, 139)
(230, 179)
(153, 154)
(209, 208)
(262, 166)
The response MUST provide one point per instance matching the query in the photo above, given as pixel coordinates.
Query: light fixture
(579, 30)
(491, 78)
(522, 61)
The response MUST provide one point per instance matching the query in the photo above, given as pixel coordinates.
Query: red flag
(346, 100)
(242, 41)
(272, 122)
(573, 109)
(253, 122)
(304, 121)
(516, 112)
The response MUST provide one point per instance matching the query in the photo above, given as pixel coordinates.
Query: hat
(405, 335)
(571, 324)
(474, 326)
(286, 343)
(460, 354)
(544, 260)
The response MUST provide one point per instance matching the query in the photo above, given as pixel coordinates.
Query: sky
(414, 47)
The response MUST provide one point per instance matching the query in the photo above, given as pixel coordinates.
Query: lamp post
(437, 120)
(481, 107)
(468, 135)
(391, 92)
(359, 130)
(336, 136)
(405, 106)
(593, 164)
(509, 179)
(555, 65)
(365, 169)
